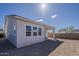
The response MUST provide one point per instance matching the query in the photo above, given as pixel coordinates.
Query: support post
(53, 33)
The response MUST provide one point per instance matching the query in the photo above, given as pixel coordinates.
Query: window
(39, 31)
(28, 30)
(34, 31)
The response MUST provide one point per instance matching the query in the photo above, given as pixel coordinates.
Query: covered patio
(49, 28)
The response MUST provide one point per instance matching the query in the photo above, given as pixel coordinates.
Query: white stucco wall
(22, 39)
(9, 30)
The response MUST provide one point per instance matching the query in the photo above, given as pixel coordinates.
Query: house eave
(31, 21)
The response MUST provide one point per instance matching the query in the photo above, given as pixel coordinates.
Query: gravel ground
(68, 48)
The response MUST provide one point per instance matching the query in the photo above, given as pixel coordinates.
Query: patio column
(53, 32)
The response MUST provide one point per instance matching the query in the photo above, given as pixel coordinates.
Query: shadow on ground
(39, 49)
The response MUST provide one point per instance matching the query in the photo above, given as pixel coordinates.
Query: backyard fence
(67, 35)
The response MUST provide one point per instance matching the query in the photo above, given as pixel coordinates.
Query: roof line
(29, 20)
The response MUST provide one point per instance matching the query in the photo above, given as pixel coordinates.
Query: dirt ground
(68, 48)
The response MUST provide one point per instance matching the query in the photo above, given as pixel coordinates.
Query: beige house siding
(22, 39)
(9, 30)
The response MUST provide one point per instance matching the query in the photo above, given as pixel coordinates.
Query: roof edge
(30, 20)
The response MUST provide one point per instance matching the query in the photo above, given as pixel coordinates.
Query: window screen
(28, 30)
(34, 31)
(39, 31)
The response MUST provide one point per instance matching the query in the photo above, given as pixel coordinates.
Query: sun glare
(43, 6)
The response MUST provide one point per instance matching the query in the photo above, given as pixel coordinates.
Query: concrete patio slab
(70, 47)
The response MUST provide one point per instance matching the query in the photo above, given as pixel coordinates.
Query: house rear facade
(22, 31)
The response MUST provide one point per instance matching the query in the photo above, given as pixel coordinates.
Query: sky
(59, 15)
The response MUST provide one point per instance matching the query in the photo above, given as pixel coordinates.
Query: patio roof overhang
(48, 27)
